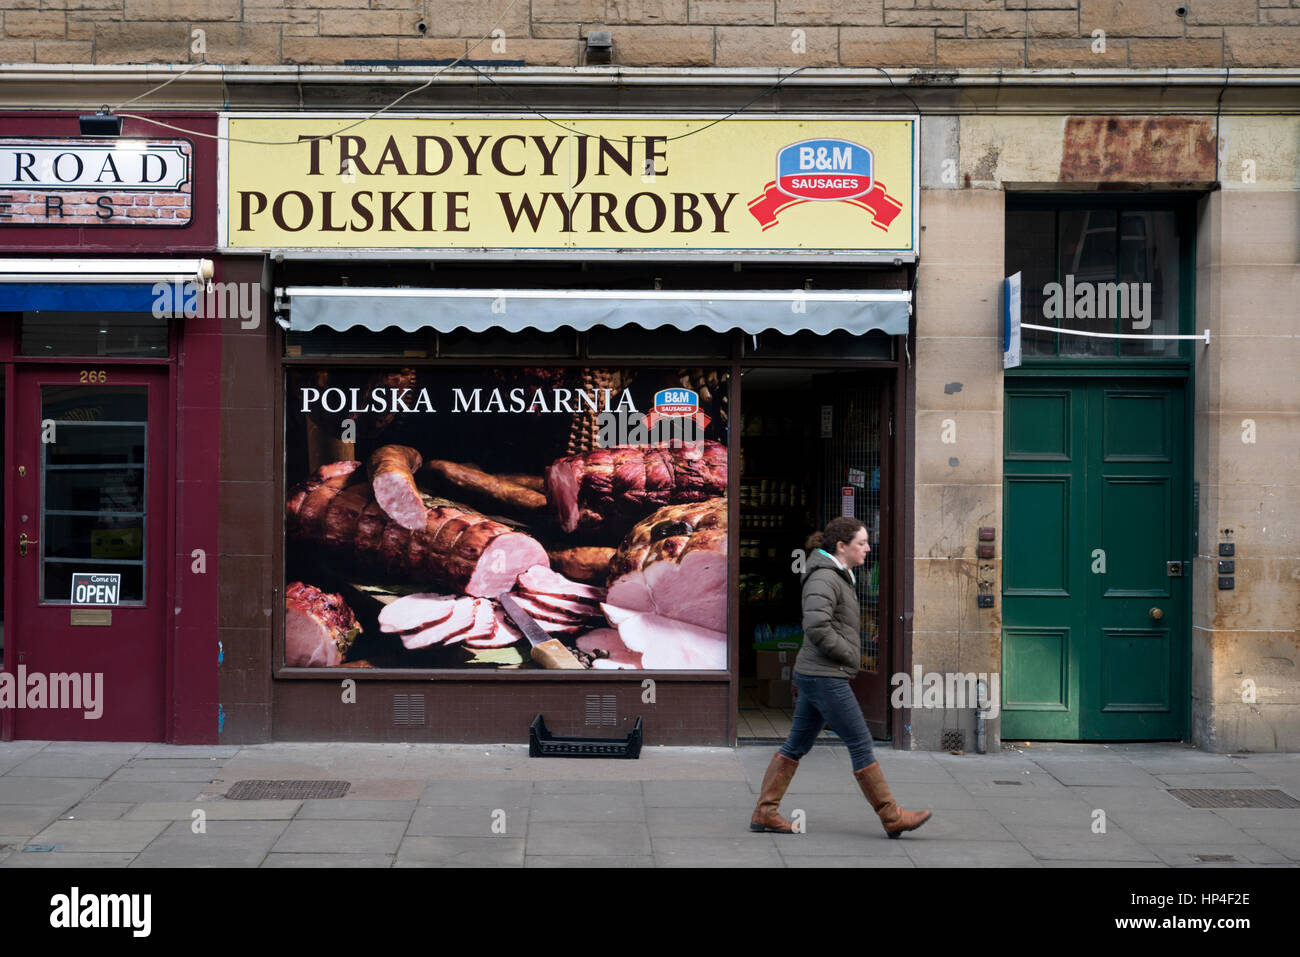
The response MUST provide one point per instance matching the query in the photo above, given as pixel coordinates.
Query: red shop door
(88, 474)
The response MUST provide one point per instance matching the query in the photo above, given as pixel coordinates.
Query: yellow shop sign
(597, 183)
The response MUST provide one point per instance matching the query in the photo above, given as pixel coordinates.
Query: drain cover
(1016, 783)
(1216, 858)
(255, 790)
(1234, 797)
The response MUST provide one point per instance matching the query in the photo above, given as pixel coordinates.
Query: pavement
(80, 805)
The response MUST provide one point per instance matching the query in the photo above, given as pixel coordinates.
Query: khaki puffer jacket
(832, 620)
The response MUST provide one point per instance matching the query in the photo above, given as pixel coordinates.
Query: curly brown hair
(837, 530)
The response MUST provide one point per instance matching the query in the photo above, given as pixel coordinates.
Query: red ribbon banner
(882, 207)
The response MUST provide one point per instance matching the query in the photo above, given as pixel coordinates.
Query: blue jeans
(822, 702)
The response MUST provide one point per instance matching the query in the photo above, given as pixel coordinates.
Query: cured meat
(605, 645)
(626, 481)
(540, 580)
(535, 482)
(469, 618)
(415, 612)
(457, 549)
(667, 644)
(504, 635)
(587, 564)
(319, 628)
(493, 488)
(674, 564)
(483, 624)
(392, 474)
(565, 606)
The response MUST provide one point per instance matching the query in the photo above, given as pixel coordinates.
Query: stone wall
(943, 34)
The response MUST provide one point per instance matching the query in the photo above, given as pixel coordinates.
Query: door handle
(1156, 614)
(23, 542)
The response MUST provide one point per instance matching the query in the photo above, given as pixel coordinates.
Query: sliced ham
(668, 644)
(541, 580)
(617, 654)
(503, 635)
(415, 612)
(461, 618)
(674, 564)
(574, 609)
(483, 625)
(539, 612)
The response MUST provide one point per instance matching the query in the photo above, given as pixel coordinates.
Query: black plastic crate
(543, 744)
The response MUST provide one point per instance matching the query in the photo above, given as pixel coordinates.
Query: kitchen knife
(547, 651)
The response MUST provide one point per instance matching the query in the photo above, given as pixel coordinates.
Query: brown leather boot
(776, 779)
(894, 819)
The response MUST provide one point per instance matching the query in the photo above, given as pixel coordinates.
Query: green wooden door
(1095, 628)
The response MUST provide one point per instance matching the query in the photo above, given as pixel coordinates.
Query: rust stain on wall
(1165, 149)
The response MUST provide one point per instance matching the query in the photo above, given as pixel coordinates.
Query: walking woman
(822, 669)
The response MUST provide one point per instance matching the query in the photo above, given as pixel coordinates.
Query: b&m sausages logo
(826, 170)
(675, 404)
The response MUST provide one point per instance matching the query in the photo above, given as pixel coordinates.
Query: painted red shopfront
(111, 422)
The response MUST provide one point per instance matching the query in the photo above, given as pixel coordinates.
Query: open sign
(94, 588)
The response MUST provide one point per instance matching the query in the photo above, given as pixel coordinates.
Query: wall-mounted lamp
(102, 123)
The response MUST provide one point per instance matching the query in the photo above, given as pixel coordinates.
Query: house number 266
(94, 376)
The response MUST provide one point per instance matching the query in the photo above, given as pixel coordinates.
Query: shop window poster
(506, 518)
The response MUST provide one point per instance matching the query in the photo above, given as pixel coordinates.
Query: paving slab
(54, 792)
(630, 788)
(1114, 799)
(1107, 773)
(830, 861)
(131, 836)
(949, 853)
(152, 775)
(483, 793)
(547, 860)
(190, 751)
(331, 861)
(1079, 843)
(213, 810)
(96, 811)
(1283, 840)
(751, 850)
(1241, 779)
(620, 839)
(1189, 827)
(1037, 784)
(221, 844)
(70, 860)
(134, 792)
(462, 852)
(476, 821)
(582, 808)
(1259, 816)
(346, 837)
(93, 747)
(352, 810)
(697, 793)
(1056, 812)
(47, 764)
(829, 842)
(672, 822)
(18, 822)
(1092, 864)
(1185, 855)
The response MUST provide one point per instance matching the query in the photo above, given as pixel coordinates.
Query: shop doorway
(814, 444)
(88, 494)
(1097, 560)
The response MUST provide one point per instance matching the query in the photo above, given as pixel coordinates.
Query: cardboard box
(774, 693)
(774, 665)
